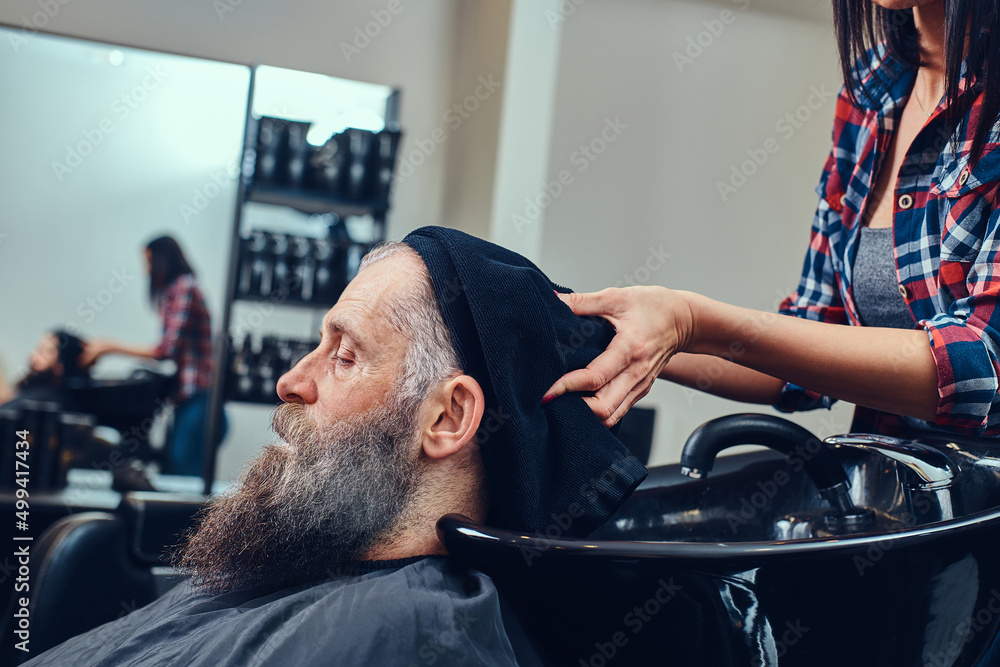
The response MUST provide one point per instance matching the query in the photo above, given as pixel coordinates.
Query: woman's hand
(652, 324)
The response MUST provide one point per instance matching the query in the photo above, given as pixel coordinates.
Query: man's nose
(297, 385)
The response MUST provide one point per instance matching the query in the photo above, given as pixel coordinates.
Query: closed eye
(343, 358)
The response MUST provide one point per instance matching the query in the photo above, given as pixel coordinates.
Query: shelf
(288, 303)
(312, 202)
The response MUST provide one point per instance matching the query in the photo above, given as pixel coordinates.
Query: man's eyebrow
(343, 327)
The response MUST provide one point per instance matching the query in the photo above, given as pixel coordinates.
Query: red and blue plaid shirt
(187, 336)
(946, 230)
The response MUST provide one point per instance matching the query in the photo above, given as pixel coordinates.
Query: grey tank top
(876, 290)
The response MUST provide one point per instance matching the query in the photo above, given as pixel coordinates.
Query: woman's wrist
(701, 328)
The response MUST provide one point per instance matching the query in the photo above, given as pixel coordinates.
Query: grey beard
(326, 497)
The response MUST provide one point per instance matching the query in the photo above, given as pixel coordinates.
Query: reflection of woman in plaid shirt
(187, 340)
(927, 170)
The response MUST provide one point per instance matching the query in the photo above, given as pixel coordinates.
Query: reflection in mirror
(105, 149)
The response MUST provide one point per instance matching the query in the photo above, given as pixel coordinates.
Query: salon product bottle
(297, 153)
(360, 143)
(304, 268)
(386, 145)
(257, 261)
(326, 165)
(279, 265)
(251, 264)
(323, 277)
(271, 138)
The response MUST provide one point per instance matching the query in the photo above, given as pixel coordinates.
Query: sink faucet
(778, 434)
(928, 476)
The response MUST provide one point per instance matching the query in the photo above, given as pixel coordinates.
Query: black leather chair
(93, 567)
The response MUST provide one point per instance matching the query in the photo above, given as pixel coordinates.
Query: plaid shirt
(946, 230)
(187, 336)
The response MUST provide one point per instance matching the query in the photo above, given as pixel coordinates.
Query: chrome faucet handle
(932, 490)
(932, 466)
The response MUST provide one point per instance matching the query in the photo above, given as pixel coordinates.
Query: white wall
(655, 185)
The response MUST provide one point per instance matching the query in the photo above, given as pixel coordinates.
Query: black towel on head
(554, 469)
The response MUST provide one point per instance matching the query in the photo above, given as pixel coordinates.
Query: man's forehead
(370, 296)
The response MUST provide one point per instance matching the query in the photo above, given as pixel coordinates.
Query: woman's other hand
(652, 324)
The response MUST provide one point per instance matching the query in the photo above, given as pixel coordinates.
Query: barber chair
(94, 567)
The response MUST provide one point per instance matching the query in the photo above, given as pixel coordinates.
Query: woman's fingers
(598, 372)
(633, 397)
(603, 303)
(615, 398)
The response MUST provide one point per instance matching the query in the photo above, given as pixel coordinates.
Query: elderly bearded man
(326, 552)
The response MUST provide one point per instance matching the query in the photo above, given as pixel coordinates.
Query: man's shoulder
(430, 611)
(455, 593)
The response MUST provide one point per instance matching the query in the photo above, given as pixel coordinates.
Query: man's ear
(451, 416)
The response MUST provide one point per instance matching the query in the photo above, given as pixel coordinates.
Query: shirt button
(903, 292)
(905, 201)
(843, 200)
(964, 177)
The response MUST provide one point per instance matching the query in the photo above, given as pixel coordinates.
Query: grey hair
(431, 356)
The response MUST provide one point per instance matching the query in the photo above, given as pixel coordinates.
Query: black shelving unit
(300, 199)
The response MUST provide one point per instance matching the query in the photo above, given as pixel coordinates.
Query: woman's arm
(98, 347)
(885, 369)
(723, 377)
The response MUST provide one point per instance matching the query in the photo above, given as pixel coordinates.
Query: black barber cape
(417, 611)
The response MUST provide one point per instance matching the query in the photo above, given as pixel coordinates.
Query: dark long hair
(167, 263)
(861, 24)
(69, 349)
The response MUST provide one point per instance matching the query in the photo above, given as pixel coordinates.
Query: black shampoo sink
(751, 565)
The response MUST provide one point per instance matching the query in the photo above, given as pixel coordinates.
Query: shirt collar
(889, 81)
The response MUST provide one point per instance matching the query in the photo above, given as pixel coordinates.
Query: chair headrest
(157, 521)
